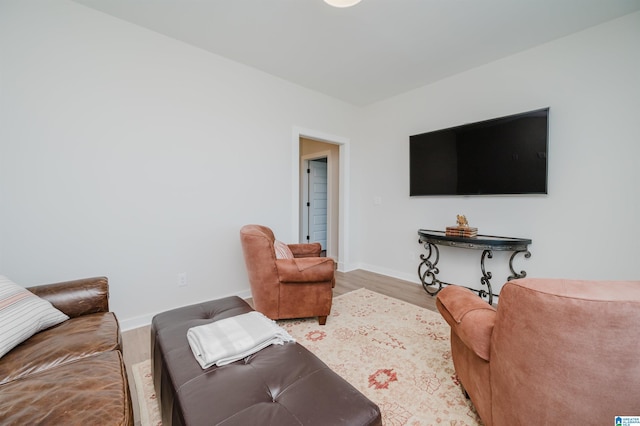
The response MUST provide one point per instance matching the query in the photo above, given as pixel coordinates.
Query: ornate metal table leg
(427, 269)
(514, 274)
(486, 277)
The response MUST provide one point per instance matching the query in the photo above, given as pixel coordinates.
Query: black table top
(487, 242)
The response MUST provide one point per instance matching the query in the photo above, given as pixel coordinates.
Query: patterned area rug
(395, 353)
(149, 410)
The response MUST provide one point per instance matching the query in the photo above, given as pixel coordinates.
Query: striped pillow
(23, 314)
(282, 250)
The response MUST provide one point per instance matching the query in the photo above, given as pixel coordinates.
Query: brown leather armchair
(297, 287)
(553, 352)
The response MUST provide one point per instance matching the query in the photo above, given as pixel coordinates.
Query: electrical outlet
(182, 279)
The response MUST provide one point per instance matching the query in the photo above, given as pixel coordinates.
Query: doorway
(319, 190)
(337, 150)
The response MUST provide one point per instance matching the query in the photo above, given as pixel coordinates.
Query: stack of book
(461, 231)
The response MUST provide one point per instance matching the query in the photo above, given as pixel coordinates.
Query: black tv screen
(506, 155)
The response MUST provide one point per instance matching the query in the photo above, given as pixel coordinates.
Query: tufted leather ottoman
(280, 385)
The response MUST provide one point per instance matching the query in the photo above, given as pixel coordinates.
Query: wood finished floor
(137, 342)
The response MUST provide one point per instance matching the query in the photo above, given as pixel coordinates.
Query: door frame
(343, 187)
(304, 180)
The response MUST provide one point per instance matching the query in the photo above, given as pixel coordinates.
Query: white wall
(129, 154)
(586, 227)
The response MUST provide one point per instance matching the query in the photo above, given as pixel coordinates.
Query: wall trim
(145, 320)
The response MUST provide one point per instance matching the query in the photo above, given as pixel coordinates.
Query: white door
(317, 204)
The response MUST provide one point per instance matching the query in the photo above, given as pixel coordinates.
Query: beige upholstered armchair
(287, 280)
(553, 352)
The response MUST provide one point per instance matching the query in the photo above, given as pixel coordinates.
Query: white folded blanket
(228, 340)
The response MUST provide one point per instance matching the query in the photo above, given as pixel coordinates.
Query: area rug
(149, 409)
(395, 353)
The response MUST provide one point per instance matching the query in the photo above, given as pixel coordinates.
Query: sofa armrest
(471, 318)
(305, 270)
(305, 250)
(78, 297)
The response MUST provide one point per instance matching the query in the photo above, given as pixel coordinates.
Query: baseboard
(410, 279)
(144, 320)
(137, 322)
(413, 279)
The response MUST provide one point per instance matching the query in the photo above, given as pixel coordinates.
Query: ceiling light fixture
(342, 3)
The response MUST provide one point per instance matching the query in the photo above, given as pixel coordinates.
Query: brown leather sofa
(297, 287)
(72, 373)
(554, 352)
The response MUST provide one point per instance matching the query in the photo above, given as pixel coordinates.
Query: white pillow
(23, 314)
(282, 250)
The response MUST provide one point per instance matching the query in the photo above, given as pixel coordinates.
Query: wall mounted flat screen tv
(502, 156)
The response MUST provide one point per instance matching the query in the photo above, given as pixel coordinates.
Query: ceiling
(369, 52)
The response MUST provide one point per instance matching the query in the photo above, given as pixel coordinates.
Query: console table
(428, 269)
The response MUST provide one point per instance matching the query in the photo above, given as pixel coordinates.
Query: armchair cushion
(471, 318)
(23, 314)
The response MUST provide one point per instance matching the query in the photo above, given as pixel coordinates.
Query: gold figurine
(462, 221)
